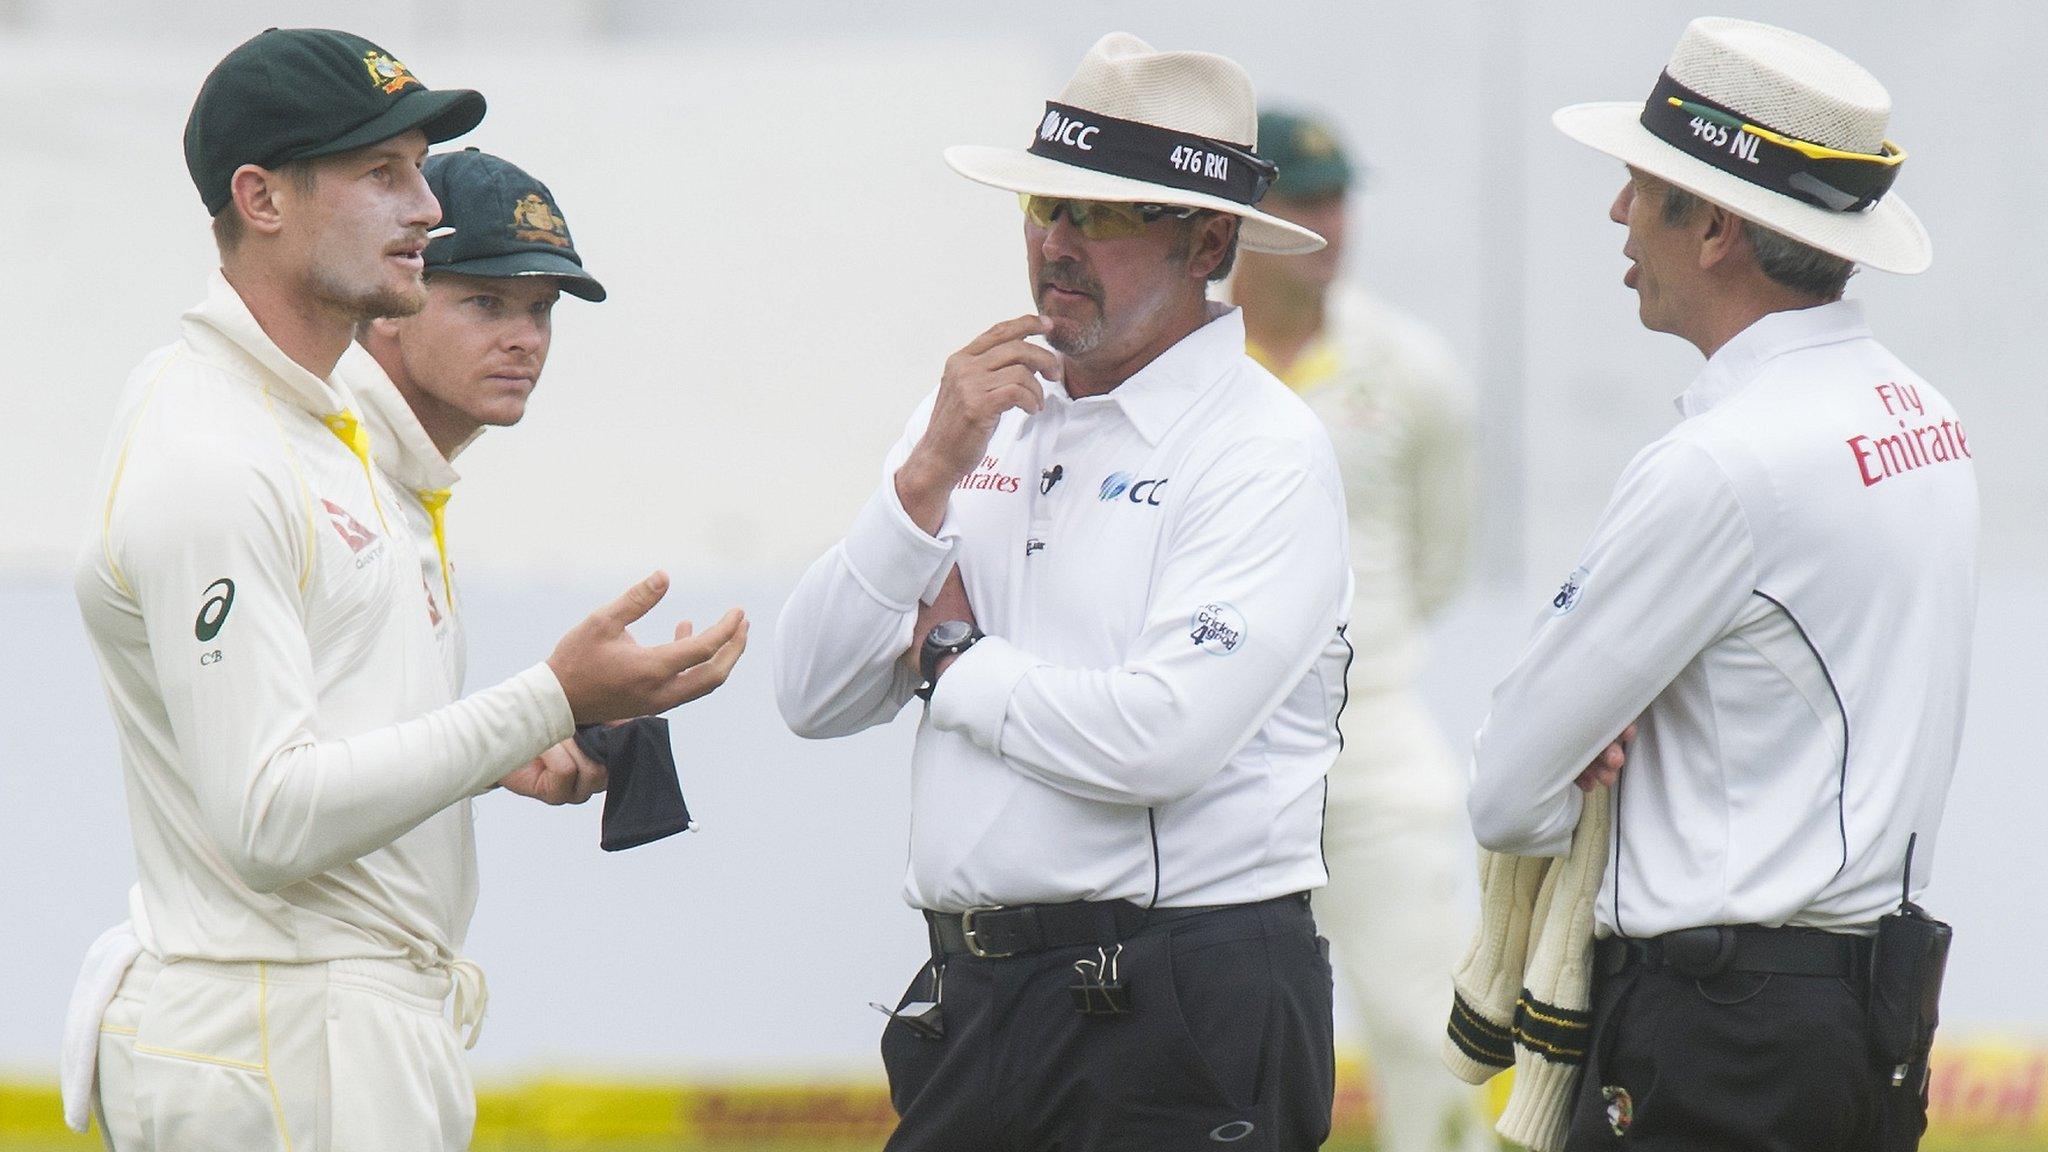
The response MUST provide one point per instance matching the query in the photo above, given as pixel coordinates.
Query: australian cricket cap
(1306, 150)
(505, 223)
(300, 93)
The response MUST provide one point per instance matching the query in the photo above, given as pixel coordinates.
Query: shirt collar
(402, 447)
(1738, 362)
(1157, 395)
(223, 317)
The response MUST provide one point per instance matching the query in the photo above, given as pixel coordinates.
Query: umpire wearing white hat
(1116, 569)
(1782, 588)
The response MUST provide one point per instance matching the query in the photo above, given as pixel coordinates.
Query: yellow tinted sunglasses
(1100, 219)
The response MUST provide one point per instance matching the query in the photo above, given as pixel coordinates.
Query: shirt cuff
(549, 701)
(973, 694)
(889, 554)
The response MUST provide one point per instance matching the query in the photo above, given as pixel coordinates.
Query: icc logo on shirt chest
(1136, 491)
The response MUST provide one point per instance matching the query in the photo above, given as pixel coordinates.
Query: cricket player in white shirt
(1117, 571)
(1783, 590)
(1400, 418)
(298, 767)
(470, 358)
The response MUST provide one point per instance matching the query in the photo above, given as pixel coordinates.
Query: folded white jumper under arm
(1522, 997)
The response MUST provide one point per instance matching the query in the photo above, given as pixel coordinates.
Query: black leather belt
(1708, 951)
(1016, 930)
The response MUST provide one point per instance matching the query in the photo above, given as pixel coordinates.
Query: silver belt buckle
(974, 947)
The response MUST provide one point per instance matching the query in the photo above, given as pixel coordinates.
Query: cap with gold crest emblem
(301, 93)
(505, 223)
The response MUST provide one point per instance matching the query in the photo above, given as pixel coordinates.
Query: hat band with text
(1812, 173)
(1152, 154)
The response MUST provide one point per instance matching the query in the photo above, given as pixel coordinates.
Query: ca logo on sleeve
(220, 599)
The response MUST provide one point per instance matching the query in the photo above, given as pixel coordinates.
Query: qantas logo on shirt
(357, 536)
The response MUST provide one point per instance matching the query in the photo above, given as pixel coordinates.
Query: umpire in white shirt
(1783, 589)
(1118, 574)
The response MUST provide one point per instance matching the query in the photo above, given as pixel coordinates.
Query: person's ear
(1723, 235)
(258, 194)
(1211, 241)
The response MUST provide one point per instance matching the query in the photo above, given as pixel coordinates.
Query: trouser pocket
(200, 1069)
(397, 1080)
(912, 1052)
(1191, 1066)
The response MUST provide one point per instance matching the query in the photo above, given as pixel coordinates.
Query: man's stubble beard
(363, 305)
(1079, 337)
(1086, 337)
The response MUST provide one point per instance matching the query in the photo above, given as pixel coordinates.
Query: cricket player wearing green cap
(298, 767)
(1389, 393)
(471, 358)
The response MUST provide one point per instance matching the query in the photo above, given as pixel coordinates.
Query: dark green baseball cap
(1311, 160)
(505, 224)
(300, 93)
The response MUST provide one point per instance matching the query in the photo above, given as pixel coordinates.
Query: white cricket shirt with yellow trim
(425, 481)
(295, 767)
(1400, 420)
(1161, 574)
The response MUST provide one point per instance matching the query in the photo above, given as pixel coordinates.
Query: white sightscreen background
(759, 186)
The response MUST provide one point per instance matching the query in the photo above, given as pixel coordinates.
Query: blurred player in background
(470, 359)
(1395, 838)
(298, 767)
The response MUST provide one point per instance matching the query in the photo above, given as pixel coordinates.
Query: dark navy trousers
(1227, 1044)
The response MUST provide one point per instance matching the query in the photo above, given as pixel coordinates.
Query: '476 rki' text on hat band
(1152, 154)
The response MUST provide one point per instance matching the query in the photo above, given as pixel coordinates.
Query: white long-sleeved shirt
(1783, 588)
(1400, 419)
(294, 765)
(1161, 574)
(424, 481)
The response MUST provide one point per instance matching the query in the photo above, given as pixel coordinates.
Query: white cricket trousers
(1399, 849)
(340, 1056)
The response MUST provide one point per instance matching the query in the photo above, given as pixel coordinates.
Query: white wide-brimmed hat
(1777, 128)
(1140, 126)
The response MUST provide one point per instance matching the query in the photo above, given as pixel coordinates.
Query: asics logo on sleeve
(220, 598)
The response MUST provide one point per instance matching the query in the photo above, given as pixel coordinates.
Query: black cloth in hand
(643, 800)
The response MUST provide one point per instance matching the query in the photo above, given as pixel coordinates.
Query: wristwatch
(950, 638)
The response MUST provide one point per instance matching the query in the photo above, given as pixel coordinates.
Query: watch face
(950, 633)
